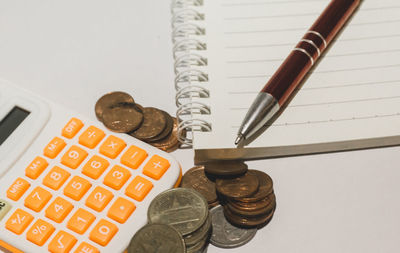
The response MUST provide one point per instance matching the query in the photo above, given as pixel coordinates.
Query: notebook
(226, 50)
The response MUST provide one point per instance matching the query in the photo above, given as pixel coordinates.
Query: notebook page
(353, 93)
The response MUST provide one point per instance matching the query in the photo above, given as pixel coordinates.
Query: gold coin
(110, 100)
(123, 118)
(154, 122)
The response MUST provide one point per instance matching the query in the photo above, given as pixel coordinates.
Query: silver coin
(183, 208)
(224, 234)
(155, 238)
(199, 234)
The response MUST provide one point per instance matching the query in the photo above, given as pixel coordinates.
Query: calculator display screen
(11, 121)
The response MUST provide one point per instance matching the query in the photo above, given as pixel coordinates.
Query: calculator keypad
(76, 185)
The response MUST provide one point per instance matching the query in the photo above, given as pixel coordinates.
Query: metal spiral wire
(190, 68)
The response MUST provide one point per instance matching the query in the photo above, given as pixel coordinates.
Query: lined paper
(352, 94)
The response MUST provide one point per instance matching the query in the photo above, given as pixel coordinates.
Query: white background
(75, 51)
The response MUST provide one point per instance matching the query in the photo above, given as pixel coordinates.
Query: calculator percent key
(40, 232)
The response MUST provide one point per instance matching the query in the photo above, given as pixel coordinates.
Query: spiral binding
(190, 68)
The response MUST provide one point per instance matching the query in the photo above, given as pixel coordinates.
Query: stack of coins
(119, 113)
(197, 179)
(156, 238)
(187, 211)
(249, 200)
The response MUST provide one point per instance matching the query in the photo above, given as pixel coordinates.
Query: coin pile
(246, 196)
(187, 211)
(119, 113)
(156, 238)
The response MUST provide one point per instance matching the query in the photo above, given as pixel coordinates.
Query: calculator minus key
(72, 128)
(133, 157)
(54, 147)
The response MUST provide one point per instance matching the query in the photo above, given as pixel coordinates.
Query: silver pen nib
(239, 139)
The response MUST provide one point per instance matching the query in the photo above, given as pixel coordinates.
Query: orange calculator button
(139, 188)
(77, 187)
(17, 189)
(59, 209)
(95, 167)
(36, 167)
(39, 232)
(72, 128)
(18, 221)
(117, 177)
(156, 167)
(74, 157)
(54, 147)
(56, 178)
(62, 242)
(91, 137)
(80, 221)
(133, 157)
(112, 146)
(37, 199)
(86, 248)
(103, 232)
(121, 210)
(99, 199)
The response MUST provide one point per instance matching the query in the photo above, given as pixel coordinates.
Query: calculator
(67, 184)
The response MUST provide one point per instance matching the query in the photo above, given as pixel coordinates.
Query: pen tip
(239, 139)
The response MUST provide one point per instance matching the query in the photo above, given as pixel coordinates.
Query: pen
(292, 71)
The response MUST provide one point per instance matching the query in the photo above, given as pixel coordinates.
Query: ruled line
(291, 44)
(323, 87)
(301, 14)
(333, 120)
(326, 56)
(321, 72)
(303, 28)
(269, 2)
(328, 103)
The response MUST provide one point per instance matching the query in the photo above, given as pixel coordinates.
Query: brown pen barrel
(308, 50)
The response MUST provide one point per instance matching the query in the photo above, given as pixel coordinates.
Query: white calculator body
(67, 184)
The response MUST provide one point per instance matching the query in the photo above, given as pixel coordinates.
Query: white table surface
(75, 51)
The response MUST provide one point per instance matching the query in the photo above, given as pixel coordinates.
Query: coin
(183, 208)
(226, 168)
(265, 188)
(224, 234)
(123, 118)
(199, 234)
(248, 222)
(154, 123)
(252, 209)
(110, 100)
(167, 130)
(238, 187)
(196, 178)
(155, 238)
(170, 143)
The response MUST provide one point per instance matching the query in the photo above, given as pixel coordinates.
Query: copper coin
(123, 118)
(263, 207)
(110, 100)
(154, 123)
(266, 187)
(252, 206)
(196, 178)
(239, 187)
(167, 131)
(226, 168)
(248, 222)
(170, 143)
